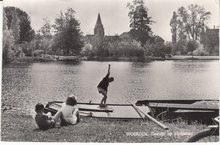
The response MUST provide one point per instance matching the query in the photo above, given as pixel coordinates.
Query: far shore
(180, 57)
(151, 58)
(50, 58)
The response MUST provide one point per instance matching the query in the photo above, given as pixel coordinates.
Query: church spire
(99, 29)
(99, 21)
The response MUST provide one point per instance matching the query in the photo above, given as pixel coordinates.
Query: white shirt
(69, 113)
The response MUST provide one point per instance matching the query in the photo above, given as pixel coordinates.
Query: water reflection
(42, 82)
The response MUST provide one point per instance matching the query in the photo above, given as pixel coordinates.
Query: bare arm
(109, 68)
(108, 71)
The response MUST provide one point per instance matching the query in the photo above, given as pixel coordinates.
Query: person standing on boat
(103, 86)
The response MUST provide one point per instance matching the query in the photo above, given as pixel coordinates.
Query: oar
(139, 113)
(150, 117)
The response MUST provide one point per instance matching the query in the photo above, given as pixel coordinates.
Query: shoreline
(125, 59)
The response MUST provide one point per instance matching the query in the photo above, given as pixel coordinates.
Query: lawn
(20, 127)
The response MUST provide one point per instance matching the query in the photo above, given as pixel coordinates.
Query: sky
(114, 13)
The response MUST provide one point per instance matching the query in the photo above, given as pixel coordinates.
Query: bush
(133, 48)
(200, 51)
(191, 46)
(87, 50)
(38, 52)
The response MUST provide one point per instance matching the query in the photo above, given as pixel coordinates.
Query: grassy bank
(20, 127)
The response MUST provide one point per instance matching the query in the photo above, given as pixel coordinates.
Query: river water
(24, 85)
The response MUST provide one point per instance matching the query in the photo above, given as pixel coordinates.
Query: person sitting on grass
(103, 87)
(69, 112)
(43, 121)
(67, 115)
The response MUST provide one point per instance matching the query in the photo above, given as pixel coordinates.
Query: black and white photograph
(110, 71)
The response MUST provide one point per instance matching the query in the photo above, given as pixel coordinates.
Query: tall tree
(45, 30)
(139, 21)
(198, 16)
(5, 21)
(68, 34)
(191, 21)
(173, 24)
(59, 33)
(26, 31)
(181, 23)
(8, 46)
(45, 39)
(15, 27)
(8, 41)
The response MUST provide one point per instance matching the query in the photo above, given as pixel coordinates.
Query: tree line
(64, 36)
(190, 33)
(138, 42)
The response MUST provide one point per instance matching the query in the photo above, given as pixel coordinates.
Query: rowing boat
(189, 110)
(200, 110)
(112, 111)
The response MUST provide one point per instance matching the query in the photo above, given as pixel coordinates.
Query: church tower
(99, 29)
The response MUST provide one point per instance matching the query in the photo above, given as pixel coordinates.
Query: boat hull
(112, 111)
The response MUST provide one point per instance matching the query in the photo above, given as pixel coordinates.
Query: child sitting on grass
(43, 121)
(69, 112)
(67, 115)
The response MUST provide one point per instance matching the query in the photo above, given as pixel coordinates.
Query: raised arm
(109, 68)
(108, 71)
